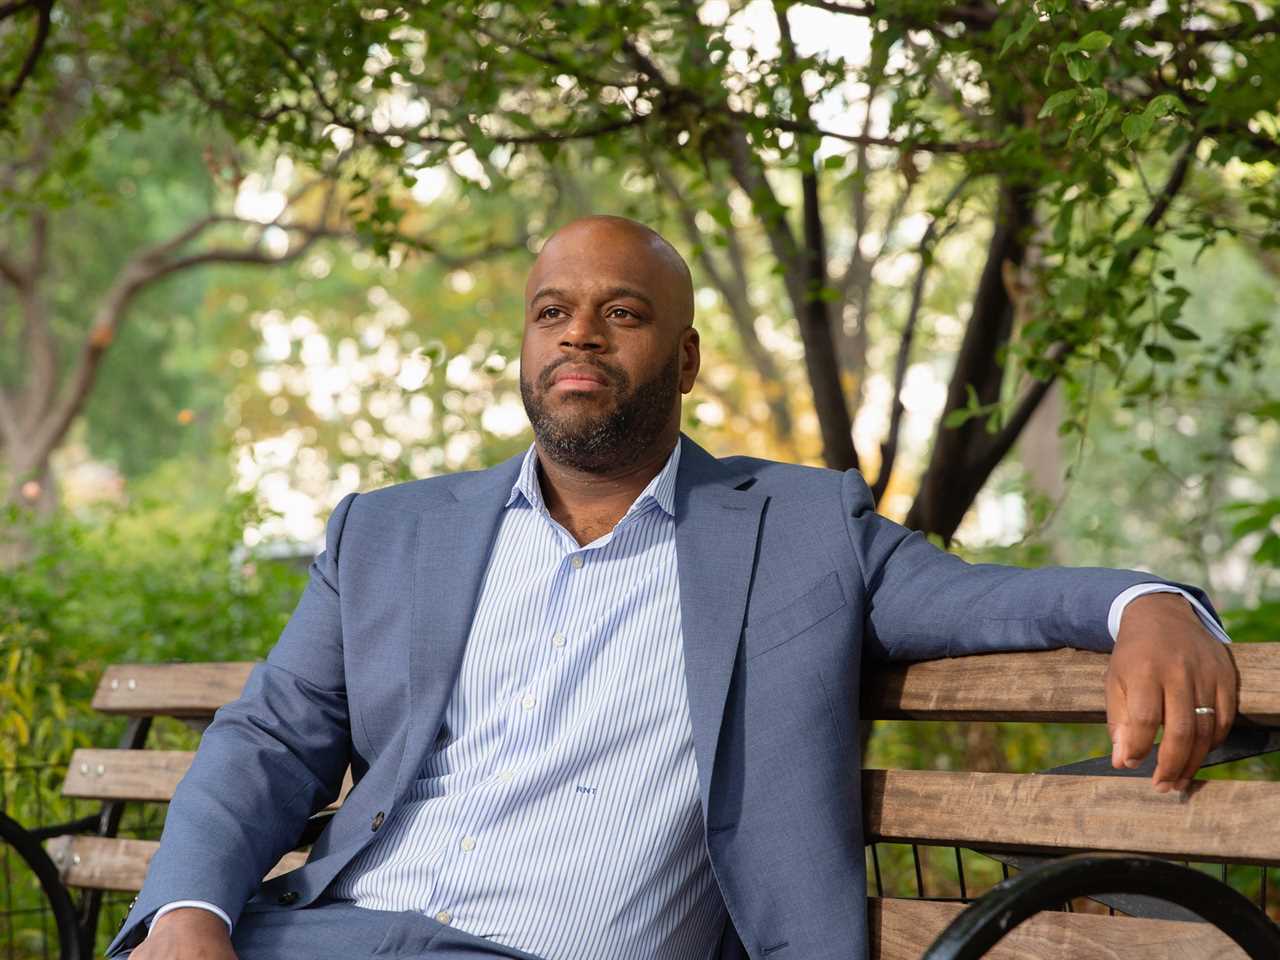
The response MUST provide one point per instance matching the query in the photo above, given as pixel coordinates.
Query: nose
(585, 332)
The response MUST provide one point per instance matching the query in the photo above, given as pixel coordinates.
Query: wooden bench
(1011, 817)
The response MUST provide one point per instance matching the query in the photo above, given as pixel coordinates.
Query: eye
(551, 313)
(621, 313)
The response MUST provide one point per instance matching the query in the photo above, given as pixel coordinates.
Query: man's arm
(924, 603)
(265, 764)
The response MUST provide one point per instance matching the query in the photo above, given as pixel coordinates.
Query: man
(601, 701)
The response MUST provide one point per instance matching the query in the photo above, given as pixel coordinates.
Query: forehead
(597, 258)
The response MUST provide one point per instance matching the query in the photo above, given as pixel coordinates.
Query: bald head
(620, 246)
(609, 345)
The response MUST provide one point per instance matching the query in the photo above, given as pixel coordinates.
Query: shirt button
(377, 821)
(576, 560)
(468, 843)
(528, 701)
(443, 916)
(558, 640)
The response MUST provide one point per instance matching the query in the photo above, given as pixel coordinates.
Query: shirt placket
(530, 722)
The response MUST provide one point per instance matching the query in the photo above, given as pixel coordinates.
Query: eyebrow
(613, 293)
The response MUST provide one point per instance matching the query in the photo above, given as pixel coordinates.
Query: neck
(587, 503)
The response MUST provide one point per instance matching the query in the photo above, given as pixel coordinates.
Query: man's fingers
(1179, 740)
(1116, 719)
(1205, 726)
(1139, 712)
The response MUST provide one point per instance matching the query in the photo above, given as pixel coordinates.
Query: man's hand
(187, 933)
(1164, 665)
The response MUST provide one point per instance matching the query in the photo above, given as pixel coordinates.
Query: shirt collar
(660, 490)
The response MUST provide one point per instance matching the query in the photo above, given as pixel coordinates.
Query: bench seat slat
(903, 929)
(113, 863)
(1218, 821)
(1063, 686)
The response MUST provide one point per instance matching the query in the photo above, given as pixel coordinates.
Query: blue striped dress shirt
(558, 810)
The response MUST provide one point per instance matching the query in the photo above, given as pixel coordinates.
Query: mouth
(578, 379)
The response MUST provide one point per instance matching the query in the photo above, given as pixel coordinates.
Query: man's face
(607, 348)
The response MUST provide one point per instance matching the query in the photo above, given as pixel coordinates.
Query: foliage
(162, 578)
(1076, 128)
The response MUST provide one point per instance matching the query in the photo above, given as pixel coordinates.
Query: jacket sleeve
(265, 763)
(923, 603)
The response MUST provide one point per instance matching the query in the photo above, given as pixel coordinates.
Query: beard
(582, 439)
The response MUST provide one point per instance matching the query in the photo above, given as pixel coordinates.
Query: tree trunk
(957, 468)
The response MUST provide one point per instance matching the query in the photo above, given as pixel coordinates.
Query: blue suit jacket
(787, 577)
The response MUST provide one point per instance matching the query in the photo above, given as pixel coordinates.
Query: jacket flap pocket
(776, 627)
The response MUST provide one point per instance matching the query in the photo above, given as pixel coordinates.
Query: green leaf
(1163, 105)
(1095, 41)
(1080, 68)
(1158, 353)
(1179, 332)
(1268, 411)
(1268, 551)
(1136, 126)
(1063, 98)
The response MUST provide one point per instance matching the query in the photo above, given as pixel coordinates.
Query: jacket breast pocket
(773, 628)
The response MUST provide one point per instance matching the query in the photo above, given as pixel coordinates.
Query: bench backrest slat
(1059, 685)
(148, 775)
(904, 929)
(1218, 820)
(117, 863)
(145, 775)
(169, 689)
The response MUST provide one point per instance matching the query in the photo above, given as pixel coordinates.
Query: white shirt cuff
(201, 904)
(1139, 589)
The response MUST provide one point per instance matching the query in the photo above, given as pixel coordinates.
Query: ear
(690, 359)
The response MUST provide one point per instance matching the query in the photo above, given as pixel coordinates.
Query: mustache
(612, 375)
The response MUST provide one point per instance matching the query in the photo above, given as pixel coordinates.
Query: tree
(101, 209)
(1075, 127)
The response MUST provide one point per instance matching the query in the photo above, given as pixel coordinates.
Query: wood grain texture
(146, 775)
(903, 930)
(149, 775)
(1218, 820)
(105, 863)
(1056, 685)
(169, 689)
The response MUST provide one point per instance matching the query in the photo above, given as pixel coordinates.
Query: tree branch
(733, 287)
(44, 17)
(973, 15)
(11, 272)
(813, 311)
(889, 446)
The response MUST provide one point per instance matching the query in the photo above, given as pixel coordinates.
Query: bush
(158, 579)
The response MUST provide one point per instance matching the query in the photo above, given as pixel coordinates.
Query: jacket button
(377, 821)
(288, 897)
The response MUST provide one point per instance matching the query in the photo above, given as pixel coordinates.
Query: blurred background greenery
(1019, 263)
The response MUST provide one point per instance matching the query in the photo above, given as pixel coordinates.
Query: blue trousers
(341, 931)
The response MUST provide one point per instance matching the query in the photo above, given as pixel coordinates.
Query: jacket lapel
(717, 525)
(454, 541)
